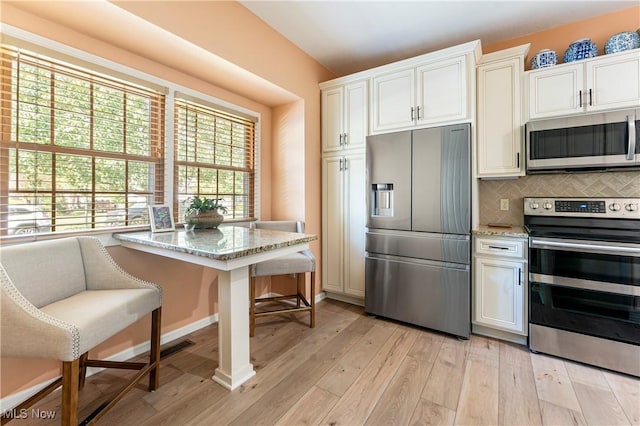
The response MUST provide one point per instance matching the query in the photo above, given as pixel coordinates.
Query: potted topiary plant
(204, 212)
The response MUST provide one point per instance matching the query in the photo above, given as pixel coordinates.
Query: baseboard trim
(13, 400)
(498, 334)
(344, 298)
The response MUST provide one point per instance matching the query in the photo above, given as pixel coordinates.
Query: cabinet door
(613, 82)
(354, 224)
(556, 91)
(500, 119)
(355, 115)
(499, 294)
(393, 97)
(332, 213)
(332, 113)
(442, 91)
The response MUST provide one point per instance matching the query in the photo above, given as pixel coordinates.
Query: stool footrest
(115, 364)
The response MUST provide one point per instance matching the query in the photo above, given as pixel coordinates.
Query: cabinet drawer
(500, 247)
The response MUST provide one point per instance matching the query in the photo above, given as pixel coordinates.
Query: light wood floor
(353, 370)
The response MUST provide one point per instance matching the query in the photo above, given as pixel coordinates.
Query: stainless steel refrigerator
(418, 228)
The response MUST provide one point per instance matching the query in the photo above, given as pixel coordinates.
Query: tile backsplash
(608, 184)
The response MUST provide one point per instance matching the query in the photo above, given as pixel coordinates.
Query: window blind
(79, 150)
(214, 158)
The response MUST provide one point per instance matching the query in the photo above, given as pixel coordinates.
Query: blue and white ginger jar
(580, 49)
(620, 42)
(544, 58)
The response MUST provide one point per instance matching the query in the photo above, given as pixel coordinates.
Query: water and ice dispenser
(382, 196)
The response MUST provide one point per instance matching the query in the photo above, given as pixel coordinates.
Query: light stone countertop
(225, 243)
(513, 231)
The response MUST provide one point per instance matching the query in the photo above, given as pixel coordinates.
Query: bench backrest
(45, 271)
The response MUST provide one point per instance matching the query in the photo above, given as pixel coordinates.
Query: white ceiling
(349, 36)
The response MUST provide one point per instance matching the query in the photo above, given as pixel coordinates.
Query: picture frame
(161, 218)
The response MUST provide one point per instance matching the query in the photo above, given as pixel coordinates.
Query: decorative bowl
(544, 58)
(580, 49)
(625, 40)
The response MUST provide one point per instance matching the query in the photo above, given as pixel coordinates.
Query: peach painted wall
(190, 291)
(598, 29)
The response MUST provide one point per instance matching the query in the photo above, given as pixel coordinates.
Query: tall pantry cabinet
(433, 89)
(344, 131)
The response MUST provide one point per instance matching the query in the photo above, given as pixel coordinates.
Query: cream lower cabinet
(343, 224)
(500, 288)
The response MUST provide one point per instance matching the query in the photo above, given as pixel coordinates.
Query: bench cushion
(99, 314)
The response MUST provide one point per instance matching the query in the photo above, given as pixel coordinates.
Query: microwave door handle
(631, 124)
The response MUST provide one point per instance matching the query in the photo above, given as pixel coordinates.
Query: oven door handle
(575, 245)
(624, 289)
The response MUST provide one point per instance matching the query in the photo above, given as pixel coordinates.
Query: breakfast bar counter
(229, 249)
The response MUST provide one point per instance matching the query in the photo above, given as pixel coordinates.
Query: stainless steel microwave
(602, 141)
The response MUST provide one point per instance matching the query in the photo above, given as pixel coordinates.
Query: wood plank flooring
(355, 370)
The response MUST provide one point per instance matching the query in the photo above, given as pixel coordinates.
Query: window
(214, 158)
(79, 150)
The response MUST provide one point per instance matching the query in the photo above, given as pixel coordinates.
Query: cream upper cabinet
(442, 91)
(332, 118)
(432, 93)
(393, 100)
(555, 91)
(613, 81)
(432, 89)
(344, 116)
(596, 84)
(499, 122)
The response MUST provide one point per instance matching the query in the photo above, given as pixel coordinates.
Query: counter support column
(234, 366)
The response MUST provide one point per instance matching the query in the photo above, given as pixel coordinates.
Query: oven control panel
(627, 208)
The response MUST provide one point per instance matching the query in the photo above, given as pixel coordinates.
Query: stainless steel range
(584, 279)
